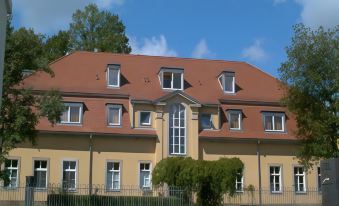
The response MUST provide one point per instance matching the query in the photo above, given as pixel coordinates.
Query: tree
(57, 46)
(209, 179)
(21, 109)
(93, 29)
(310, 79)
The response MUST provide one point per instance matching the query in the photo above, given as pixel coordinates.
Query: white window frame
(239, 113)
(222, 82)
(10, 175)
(144, 187)
(172, 71)
(241, 182)
(113, 171)
(273, 114)
(172, 144)
(41, 169)
(70, 170)
(114, 106)
(69, 105)
(149, 123)
(297, 187)
(113, 67)
(211, 122)
(277, 176)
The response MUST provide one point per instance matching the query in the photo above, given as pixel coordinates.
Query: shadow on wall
(100, 143)
(242, 148)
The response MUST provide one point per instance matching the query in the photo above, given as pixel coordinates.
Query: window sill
(277, 192)
(275, 132)
(70, 124)
(113, 87)
(114, 126)
(112, 190)
(171, 90)
(235, 130)
(301, 192)
(177, 155)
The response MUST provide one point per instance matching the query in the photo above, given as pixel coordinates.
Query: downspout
(259, 172)
(90, 163)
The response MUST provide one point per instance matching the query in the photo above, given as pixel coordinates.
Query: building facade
(125, 113)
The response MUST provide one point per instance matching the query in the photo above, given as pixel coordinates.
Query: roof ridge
(162, 57)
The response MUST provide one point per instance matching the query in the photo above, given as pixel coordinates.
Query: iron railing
(287, 197)
(97, 195)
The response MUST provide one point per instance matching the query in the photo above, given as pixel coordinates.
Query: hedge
(95, 200)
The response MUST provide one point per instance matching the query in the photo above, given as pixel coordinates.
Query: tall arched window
(177, 129)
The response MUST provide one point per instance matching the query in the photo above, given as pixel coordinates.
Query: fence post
(29, 191)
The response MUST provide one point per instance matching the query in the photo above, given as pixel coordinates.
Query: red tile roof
(85, 72)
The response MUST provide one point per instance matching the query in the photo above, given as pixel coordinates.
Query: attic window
(113, 75)
(171, 78)
(227, 82)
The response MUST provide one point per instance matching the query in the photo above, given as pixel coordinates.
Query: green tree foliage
(310, 78)
(57, 45)
(209, 179)
(93, 29)
(21, 109)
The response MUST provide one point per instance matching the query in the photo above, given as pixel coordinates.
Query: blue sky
(255, 31)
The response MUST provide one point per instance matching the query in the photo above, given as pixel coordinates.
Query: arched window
(177, 129)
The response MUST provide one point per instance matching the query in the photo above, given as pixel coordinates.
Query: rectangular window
(69, 175)
(113, 176)
(114, 115)
(227, 81)
(40, 173)
(72, 113)
(172, 80)
(12, 167)
(177, 130)
(275, 179)
(299, 179)
(206, 121)
(274, 122)
(319, 179)
(145, 118)
(239, 183)
(235, 118)
(145, 175)
(113, 75)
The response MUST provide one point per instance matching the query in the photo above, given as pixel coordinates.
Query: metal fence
(97, 195)
(287, 197)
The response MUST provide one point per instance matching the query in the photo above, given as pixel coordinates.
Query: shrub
(209, 179)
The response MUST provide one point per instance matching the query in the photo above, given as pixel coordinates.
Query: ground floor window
(239, 183)
(40, 173)
(69, 175)
(299, 179)
(275, 178)
(113, 176)
(12, 167)
(145, 175)
(319, 179)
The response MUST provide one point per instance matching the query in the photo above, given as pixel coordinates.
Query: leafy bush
(95, 200)
(209, 179)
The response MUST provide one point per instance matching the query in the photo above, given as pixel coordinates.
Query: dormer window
(113, 75)
(172, 78)
(227, 82)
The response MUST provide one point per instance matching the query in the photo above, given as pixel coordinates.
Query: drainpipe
(90, 163)
(259, 172)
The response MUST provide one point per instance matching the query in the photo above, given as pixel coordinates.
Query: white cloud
(154, 46)
(317, 13)
(255, 52)
(49, 16)
(201, 50)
